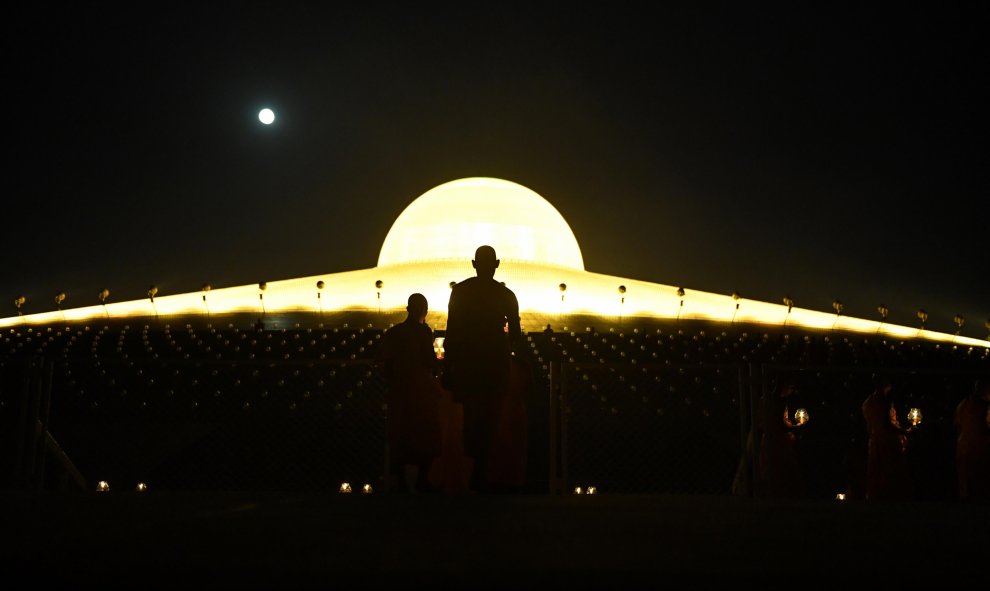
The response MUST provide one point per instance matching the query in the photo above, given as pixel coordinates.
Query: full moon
(266, 116)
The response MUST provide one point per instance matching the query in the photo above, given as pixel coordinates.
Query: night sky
(817, 153)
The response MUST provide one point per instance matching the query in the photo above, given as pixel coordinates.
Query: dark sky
(815, 153)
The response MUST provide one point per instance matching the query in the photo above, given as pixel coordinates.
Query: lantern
(103, 486)
(366, 489)
(801, 416)
(914, 417)
(345, 488)
(141, 487)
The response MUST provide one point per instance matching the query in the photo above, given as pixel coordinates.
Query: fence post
(755, 393)
(745, 429)
(554, 484)
(44, 411)
(562, 417)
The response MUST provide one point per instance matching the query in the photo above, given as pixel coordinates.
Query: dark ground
(290, 540)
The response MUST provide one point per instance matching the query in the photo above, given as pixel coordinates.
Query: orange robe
(413, 397)
(888, 474)
(973, 448)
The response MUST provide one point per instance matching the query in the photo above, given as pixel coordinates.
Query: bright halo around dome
(452, 220)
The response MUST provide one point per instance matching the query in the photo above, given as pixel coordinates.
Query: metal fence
(195, 409)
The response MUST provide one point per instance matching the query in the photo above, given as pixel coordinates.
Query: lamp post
(838, 307)
(262, 286)
(319, 301)
(960, 321)
(59, 298)
(206, 287)
(152, 292)
(790, 304)
(103, 296)
(736, 297)
(680, 294)
(882, 309)
(379, 284)
(622, 303)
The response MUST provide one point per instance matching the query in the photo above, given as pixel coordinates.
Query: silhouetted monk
(482, 325)
(413, 399)
(972, 420)
(888, 474)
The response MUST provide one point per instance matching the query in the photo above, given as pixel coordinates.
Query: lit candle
(103, 486)
(914, 416)
(345, 487)
(801, 416)
(366, 489)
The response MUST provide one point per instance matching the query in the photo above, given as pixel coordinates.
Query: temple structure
(431, 244)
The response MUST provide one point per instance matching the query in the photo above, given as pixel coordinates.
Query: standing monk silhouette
(482, 328)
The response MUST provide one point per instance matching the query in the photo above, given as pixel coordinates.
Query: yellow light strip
(536, 287)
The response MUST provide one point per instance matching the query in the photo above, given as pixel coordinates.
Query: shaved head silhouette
(485, 261)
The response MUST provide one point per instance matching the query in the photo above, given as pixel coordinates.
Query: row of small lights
(104, 486)
(837, 305)
(345, 487)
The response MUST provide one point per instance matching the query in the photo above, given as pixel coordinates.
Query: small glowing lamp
(345, 487)
(840, 497)
(103, 486)
(801, 416)
(591, 490)
(366, 489)
(914, 416)
(141, 487)
(578, 490)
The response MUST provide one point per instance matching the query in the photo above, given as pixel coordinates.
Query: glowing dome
(450, 221)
